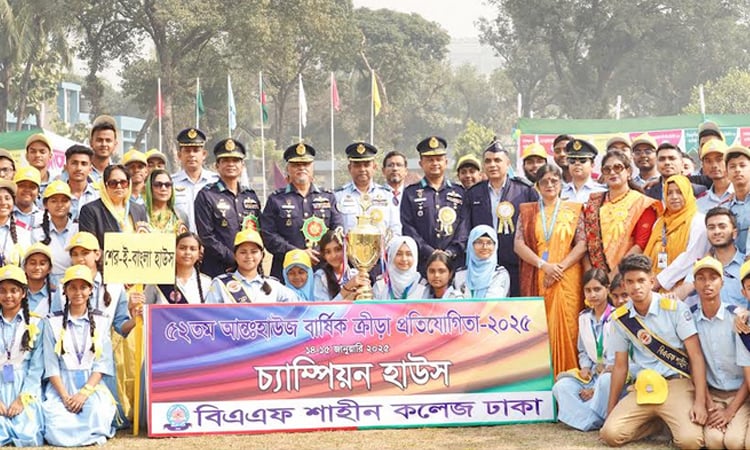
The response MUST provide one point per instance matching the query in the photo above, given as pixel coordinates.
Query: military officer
(297, 216)
(224, 208)
(349, 198)
(193, 177)
(495, 203)
(430, 208)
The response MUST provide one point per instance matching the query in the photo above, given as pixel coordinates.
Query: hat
(14, 273)
(744, 270)
(709, 128)
(650, 388)
(495, 147)
(6, 154)
(155, 153)
(78, 272)
(38, 137)
(229, 148)
(28, 173)
(432, 146)
(361, 151)
(533, 149)
(299, 152)
(9, 185)
(38, 247)
(297, 256)
(191, 137)
(57, 187)
(617, 138)
(709, 262)
(248, 235)
(83, 239)
(468, 160)
(713, 146)
(645, 138)
(736, 149)
(578, 148)
(132, 156)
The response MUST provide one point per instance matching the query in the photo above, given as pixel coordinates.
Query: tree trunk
(5, 74)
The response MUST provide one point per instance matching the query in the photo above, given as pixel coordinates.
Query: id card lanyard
(8, 366)
(548, 231)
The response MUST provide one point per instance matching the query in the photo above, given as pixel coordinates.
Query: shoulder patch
(224, 277)
(523, 181)
(97, 312)
(694, 308)
(621, 311)
(55, 314)
(668, 304)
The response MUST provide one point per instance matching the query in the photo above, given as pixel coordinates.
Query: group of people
(597, 250)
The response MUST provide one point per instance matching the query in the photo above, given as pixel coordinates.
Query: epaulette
(269, 277)
(523, 181)
(279, 191)
(224, 276)
(97, 312)
(694, 308)
(668, 304)
(584, 311)
(619, 312)
(55, 314)
(33, 314)
(339, 189)
(423, 282)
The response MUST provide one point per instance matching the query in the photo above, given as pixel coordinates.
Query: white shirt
(697, 247)
(185, 191)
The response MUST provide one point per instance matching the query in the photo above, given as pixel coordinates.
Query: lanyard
(599, 337)
(403, 295)
(664, 237)
(9, 348)
(548, 232)
(79, 350)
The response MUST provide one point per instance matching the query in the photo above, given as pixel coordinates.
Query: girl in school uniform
(247, 284)
(13, 240)
(403, 280)
(78, 406)
(21, 417)
(439, 277)
(482, 277)
(57, 228)
(37, 265)
(190, 284)
(298, 274)
(335, 280)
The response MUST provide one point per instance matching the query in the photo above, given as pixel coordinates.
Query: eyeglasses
(6, 170)
(644, 151)
(162, 184)
(548, 182)
(114, 184)
(575, 161)
(616, 168)
(485, 244)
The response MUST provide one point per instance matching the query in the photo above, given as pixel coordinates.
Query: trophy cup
(363, 247)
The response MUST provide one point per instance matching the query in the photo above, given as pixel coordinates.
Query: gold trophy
(363, 247)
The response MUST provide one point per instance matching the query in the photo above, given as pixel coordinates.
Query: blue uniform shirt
(717, 342)
(731, 291)
(741, 210)
(185, 192)
(219, 216)
(385, 215)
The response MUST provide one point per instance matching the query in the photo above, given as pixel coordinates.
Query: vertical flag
(375, 94)
(302, 108)
(335, 105)
(231, 107)
(335, 100)
(263, 119)
(159, 107)
(263, 103)
(200, 110)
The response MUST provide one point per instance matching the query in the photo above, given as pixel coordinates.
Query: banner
(146, 258)
(305, 366)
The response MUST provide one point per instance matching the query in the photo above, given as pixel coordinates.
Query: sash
(745, 338)
(674, 359)
(172, 294)
(593, 227)
(234, 287)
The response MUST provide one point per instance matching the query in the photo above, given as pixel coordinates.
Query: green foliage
(472, 140)
(729, 94)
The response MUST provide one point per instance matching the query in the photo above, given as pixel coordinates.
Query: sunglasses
(576, 161)
(162, 184)
(114, 184)
(616, 168)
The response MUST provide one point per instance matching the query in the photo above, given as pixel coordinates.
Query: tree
(472, 140)
(729, 94)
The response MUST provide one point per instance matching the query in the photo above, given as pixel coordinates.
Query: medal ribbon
(548, 232)
(79, 350)
(9, 348)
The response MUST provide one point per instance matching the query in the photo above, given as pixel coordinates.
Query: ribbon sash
(674, 359)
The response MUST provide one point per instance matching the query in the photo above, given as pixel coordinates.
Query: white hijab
(401, 282)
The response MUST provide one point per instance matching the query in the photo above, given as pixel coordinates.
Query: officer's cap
(229, 148)
(432, 146)
(191, 137)
(361, 151)
(299, 152)
(578, 148)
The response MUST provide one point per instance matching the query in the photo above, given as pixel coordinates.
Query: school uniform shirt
(59, 239)
(741, 210)
(711, 200)
(499, 286)
(28, 221)
(39, 301)
(221, 292)
(731, 290)
(716, 336)
(11, 253)
(88, 195)
(417, 291)
(116, 314)
(154, 295)
(320, 285)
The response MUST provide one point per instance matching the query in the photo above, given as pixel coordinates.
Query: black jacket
(97, 220)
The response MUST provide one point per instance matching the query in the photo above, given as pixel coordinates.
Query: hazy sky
(456, 16)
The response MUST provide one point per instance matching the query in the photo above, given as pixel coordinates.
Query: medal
(224, 223)
(504, 212)
(447, 217)
(376, 216)
(289, 222)
(313, 229)
(250, 222)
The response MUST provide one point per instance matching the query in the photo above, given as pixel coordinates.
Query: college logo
(644, 337)
(177, 418)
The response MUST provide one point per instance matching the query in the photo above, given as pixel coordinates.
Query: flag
(335, 100)
(232, 107)
(302, 104)
(159, 101)
(263, 105)
(199, 103)
(279, 179)
(375, 94)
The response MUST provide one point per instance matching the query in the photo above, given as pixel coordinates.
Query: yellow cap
(737, 149)
(744, 270)
(38, 137)
(83, 239)
(645, 138)
(617, 138)
(78, 272)
(650, 388)
(28, 173)
(713, 146)
(534, 149)
(297, 256)
(9, 185)
(133, 155)
(14, 273)
(709, 262)
(155, 153)
(38, 247)
(468, 160)
(57, 187)
(248, 236)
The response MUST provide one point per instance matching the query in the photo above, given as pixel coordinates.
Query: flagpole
(299, 89)
(159, 107)
(229, 109)
(372, 107)
(262, 133)
(333, 184)
(197, 95)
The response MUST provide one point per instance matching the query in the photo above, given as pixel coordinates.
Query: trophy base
(365, 294)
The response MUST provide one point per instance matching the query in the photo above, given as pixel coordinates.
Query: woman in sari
(162, 216)
(617, 222)
(550, 248)
(678, 238)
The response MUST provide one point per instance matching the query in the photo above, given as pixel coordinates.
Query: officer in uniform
(193, 177)
(349, 198)
(297, 216)
(430, 208)
(224, 208)
(495, 203)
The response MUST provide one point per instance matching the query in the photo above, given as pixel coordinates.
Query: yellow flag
(375, 95)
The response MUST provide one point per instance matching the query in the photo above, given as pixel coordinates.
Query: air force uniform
(185, 190)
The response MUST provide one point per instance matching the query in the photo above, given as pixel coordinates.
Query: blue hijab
(298, 258)
(479, 271)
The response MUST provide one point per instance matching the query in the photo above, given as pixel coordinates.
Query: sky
(455, 16)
